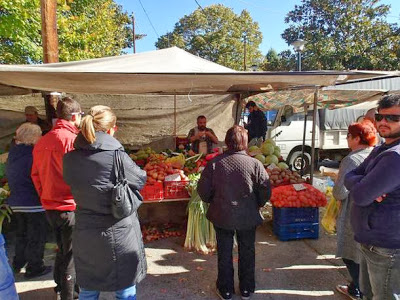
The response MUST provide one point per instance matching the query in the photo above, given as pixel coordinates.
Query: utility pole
(133, 33)
(50, 48)
(244, 53)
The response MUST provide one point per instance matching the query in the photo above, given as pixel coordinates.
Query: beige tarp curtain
(143, 119)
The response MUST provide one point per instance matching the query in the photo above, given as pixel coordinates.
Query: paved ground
(301, 269)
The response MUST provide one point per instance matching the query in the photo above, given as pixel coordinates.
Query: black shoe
(36, 273)
(245, 295)
(16, 270)
(224, 296)
(354, 295)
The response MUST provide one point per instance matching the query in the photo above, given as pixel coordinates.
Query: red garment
(47, 168)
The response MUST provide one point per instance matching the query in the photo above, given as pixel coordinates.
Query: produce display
(283, 176)
(155, 232)
(288, 196)
(268, 153)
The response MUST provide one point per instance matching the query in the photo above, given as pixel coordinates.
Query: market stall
(170, 74)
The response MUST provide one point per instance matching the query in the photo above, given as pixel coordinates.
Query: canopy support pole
(303, 146)
(238, 108)
(314, 127)
(175, 119)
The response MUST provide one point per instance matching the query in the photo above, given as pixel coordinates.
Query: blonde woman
(25, 203)
(109, 253)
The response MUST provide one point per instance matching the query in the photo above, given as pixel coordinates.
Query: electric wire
(158, 36)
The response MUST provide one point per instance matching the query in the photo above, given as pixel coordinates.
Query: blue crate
(296, 231)
(290, 215)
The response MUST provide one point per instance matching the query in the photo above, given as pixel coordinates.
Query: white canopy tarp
(165, 71)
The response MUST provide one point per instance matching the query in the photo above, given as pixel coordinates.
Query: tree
(284, 61)
(86, 29)
(344, 34)
(217, 34)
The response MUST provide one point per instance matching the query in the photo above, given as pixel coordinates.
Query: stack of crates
(292, 223)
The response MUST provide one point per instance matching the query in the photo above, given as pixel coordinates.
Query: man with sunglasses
(55, 195)
(375, 189)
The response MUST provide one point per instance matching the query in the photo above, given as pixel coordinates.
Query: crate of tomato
(296, 211)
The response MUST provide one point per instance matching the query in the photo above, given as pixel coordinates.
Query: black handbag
(125, 201)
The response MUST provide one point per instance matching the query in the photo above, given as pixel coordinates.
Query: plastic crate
(153, 192)
(296, 231)
(175, 190)
(290, 215)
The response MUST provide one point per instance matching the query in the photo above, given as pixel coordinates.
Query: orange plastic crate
(153, 192)
(175, 190)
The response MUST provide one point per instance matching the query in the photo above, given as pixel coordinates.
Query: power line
(148, 18)
(200, 6)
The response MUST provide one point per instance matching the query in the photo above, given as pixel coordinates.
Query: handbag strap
(118, 166)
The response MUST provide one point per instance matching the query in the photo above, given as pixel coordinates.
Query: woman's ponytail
(87, 129)
(100, 118)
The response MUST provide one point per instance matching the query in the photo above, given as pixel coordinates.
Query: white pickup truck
(330, 138)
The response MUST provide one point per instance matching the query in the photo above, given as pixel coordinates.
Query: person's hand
(201, 134)
(381, 198)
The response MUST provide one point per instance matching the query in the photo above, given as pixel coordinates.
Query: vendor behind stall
(201, 137)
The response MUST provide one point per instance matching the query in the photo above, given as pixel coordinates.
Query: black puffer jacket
(108, 253)
(236, 186)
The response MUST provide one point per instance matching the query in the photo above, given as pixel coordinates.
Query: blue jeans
(7, 286)
(380, 273)
(126, 294)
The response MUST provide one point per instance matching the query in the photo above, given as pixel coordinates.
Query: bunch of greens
(200, 234)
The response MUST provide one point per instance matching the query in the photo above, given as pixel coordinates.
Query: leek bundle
(200, 233)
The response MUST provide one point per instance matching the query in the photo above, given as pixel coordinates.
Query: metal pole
(175, 119)
(299, 60)
(133, 33)
(304, 140)
(316, 96)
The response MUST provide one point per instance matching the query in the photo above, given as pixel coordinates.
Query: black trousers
(30, 240)
(354, 270)
(63, 223)
(246, 240)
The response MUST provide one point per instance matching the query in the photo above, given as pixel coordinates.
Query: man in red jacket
(55, 194)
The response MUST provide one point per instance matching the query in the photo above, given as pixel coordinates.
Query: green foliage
(217, 34)
(86, 29)
(284, 61)
(344, 34)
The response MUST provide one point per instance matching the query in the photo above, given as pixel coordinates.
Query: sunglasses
(77, 113)
(388, 118)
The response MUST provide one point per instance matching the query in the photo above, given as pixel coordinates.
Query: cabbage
(283, 166)
(267, 149)
(271, 159)
(277, 151)
(253, 148)
(270, 141)
(260, 157)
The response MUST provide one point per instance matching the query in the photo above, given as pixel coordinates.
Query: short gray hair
(28, 134)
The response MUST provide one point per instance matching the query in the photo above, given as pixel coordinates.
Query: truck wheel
(295, 161)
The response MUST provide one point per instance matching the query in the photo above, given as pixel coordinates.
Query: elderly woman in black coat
(108, 252)
(236, 186)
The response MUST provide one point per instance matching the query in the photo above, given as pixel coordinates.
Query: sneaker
(224, 296)
(344, 289)
(42, 271)
(245, 295)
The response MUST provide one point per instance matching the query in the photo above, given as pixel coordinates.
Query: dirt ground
(299, 269)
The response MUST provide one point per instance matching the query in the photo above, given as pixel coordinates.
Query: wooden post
(50, 48)
(133, 33)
